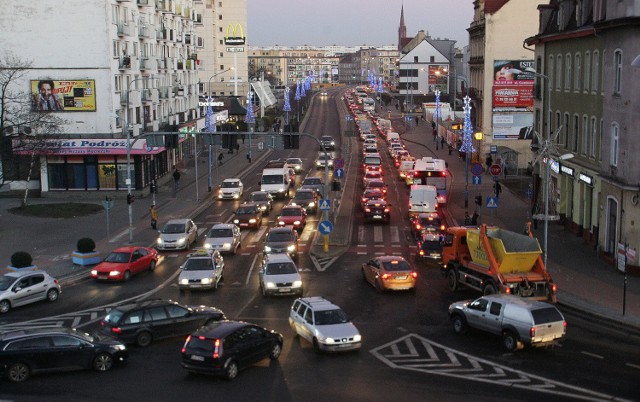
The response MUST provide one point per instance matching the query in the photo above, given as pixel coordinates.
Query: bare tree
(24, 132)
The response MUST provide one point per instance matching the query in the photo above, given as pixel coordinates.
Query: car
(282, 240)
(389, 272)
(400, 156)
(248, 215)
(377, 211)
(279, 276)
(143, 322)
(324, 160)
(395, 147)
(323, 93)
(223, 237)
(324, 324)
(430, 248)
(22, 288)
(306, 198)
(294, 163)
(226, 347)
(370, 146)
(426, 222)
(177, 234)
(263, 199)
(124, 262)
(203, 269)
(379, 184)
(370, 175)
(328, 142)
(370, 194)
(292, 215)
(231, 189)
(52, 349)
(314, 183)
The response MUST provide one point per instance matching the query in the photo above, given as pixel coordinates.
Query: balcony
(143, 2)
(147, 95)
(180, 65)
(163, 92)
(143, 31)
(122, 29)
(197, 19)
(144, 63)
(123, 97)
(191, 64)
(124, 63)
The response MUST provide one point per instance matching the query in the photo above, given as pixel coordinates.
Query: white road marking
(118, 236)
(395, 234)
(377, 234)
(253, 263)
(592, 355)
(632, 365)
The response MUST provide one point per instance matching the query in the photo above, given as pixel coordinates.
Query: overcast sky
(354, 22)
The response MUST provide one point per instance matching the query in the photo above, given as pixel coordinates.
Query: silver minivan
(519, 321)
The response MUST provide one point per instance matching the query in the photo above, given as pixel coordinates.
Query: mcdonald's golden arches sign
(235, 35)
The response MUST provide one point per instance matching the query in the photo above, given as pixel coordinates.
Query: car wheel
(103, 362)
(316, 346)
(126, 276)
(152, 266)
(144, 339)
(18, 372)
(452, 279)
(489, 289)
(52, 295)
(379, 288)
(5, 306)
(231, 371)
(458, 324)
(509, 341)
(275, 351)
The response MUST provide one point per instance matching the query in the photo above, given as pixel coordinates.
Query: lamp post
(212, 126)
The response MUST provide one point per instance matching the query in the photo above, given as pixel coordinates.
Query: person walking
(176, 178)
(442, 143)
(237, 148)
(153, 214)
(497, 188)
(488, 162)
(220, 159)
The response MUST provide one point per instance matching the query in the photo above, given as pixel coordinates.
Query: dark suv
(226, 347)
(307, 199)
(145, 321)
(282, 240)
(31, 351)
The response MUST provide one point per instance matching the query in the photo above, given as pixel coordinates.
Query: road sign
(494, 149)
(338, 163)
(325, 205)
(339, 173)
(492, 202)
(529, 193)
(325, 227)
(107, 204)
(476, 169)
(477, 179)
(495, 170)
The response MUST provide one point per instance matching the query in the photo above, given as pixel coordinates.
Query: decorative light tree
(297, 97)
(250, 119)
(287, 105)
(467, 145)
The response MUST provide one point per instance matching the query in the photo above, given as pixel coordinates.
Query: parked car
(306, 198)
(226, 347)
(223, 237)
(324, 324)
(520, 322)
(21, 288)
(389, 272)
(295, 164)
(279, 276)
(248, 215)
(145, 321)
(282, 240)
(263, 199)
(177, 234)
(51, 349)
(231, 189)
(377, 211)
(203, 269)
(124, 262)
(292, 215)
(328, 142)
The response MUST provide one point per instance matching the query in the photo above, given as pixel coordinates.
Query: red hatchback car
(124, 262)
(292, 215)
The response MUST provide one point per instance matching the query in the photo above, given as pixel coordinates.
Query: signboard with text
(63, 95)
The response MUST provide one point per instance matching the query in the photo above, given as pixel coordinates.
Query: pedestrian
(237, 147)
(176, 178)
(249, 157)
(397, 106)
(459, 146)
(435, 135)
(417, 120)
(467, 219)
(497, 188)
(153, 214)
(221, 158)
(474, 218)
(442, 142)
(433, 124)
(488, 162)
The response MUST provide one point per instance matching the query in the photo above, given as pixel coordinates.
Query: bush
(86, 245)
(21, 259)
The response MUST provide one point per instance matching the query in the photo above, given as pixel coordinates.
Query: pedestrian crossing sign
(325, 205)
(492, 202)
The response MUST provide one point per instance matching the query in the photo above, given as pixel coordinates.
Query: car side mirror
(17, 289)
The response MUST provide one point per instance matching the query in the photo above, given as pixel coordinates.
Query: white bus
(431, 171)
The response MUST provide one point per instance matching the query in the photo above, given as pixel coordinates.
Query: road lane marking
(592, 355)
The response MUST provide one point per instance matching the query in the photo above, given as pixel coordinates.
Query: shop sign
(585, 178)
(566, 170)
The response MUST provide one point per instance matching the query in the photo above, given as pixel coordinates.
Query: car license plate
(284, 290)
(197, 358)
(377, 217)
(401, 277)
(244, 224)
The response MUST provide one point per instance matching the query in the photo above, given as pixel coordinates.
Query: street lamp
(209, 99)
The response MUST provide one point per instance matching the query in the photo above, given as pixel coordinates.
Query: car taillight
(507, 290)
(216, 348)
(564, 329)
(55, 281)
(364, 199)
(184, 347)
(554, 288)
(385, 276)
(367, 210)
(421, 252)
(414, 274)
(116, 330)
(532, 332)
(442, 227)
(418, 226)
(386, 210)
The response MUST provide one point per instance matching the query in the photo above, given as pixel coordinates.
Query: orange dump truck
(493, 260)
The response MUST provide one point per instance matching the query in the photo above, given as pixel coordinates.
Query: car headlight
(220, 195)
(270, 285)
(236, 221)
(94, 272)
(236, 195)
(263, 207)
(293, 203)
(160, 241)
(281, 190)
(296, 223)
(281, 223)
(114, 273)
(252, 220)
(357, 338)
(181, 240)
(205, 281)
(226, 246)
(290, 248)
(267, 249)
(119, 347)
(297, 284)
(207, 246)
(318, 163)
(184, 281)
(312, 204)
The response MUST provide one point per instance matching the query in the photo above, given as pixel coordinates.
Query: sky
(354, 22)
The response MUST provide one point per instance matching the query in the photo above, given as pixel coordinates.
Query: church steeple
(402, 30)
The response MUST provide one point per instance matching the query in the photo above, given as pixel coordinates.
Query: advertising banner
(98, 146)
(63, 96)
(513, 86)
(513, 126)
(438, 81)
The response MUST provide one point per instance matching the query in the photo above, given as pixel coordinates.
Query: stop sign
(495, 170)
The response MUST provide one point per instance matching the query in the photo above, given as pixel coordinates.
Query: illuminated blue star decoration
(287, 102)
(467, 130)
(249, 118)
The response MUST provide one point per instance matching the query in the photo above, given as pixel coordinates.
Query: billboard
(63, 96)
(438, 81)
(513, 86)
(235, 35)
(513, 126)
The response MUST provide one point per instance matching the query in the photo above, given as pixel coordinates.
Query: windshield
(312, 181)
(117, 257)
(294, 161)
(259, 197)
(303, 195)
(280, 236)
(198, 264)
(280, 268)
(432, 245)
(230, 184)
(246, 210)
(331, 317)
(220, 233)
(172, 228)
(429, 221)
(324, 157)
(396, 265)
(273, 179)
(290, 212)
(5, 282)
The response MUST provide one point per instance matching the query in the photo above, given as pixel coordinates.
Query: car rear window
(396, 265)
(114, 316)
(546, 315)
(372, 160)
(198, 344)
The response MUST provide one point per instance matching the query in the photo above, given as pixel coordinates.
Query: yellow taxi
(389, 272)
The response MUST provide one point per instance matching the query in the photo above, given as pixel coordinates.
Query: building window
(601, 140)
(594, 137)
(595, 72)
(576, 133)
(617, 71)
(602, 71)
(117, 83)
(550, 73)
(567, 73)
(559, 72)
(585, 135)
(587, 72)
(577, 81)
(558, 125)
(613, 149)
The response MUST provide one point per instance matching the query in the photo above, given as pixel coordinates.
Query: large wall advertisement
(513, 100)
(63, 96)
(438, 81)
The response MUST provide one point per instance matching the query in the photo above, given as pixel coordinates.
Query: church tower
(402, 30)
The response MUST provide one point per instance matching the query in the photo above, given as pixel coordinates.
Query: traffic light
(130, 199)
(478, 200)
(153, 188)
(336, 185)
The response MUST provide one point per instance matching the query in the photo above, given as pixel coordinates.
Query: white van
(391, 135)
(406, 166)
(422, 198)
(276, 179)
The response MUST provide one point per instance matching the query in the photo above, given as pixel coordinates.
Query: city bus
(431, 171)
